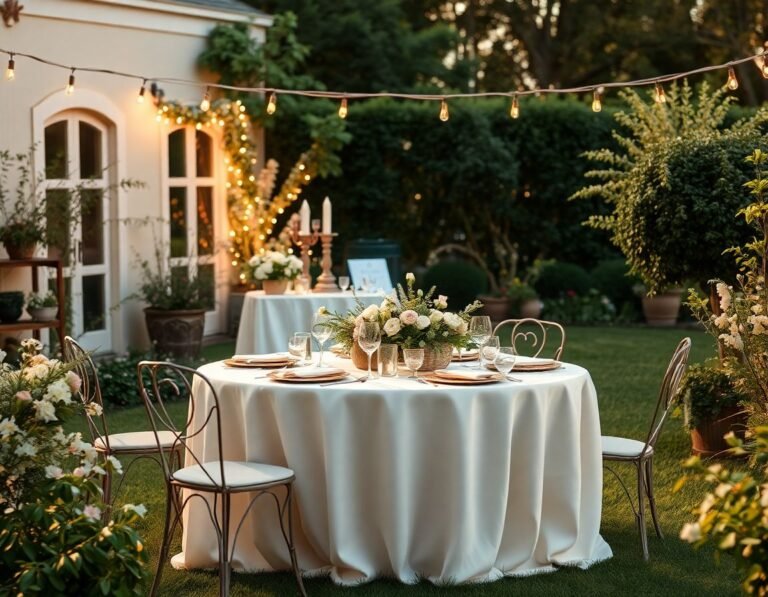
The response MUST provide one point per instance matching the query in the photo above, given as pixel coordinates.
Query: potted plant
(43, 306)
(23, 217)
(712, 409)
(524, 299)
(274, 269)
(11, 305)
(410, 319)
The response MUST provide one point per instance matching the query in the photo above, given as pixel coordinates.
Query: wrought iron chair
(640, 454)
(219, 477)
(140, 444)
(530, 335)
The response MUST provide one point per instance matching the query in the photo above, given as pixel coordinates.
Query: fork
(354, 380)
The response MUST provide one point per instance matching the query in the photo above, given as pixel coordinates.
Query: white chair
(219, 477)
(639, 453)
(529, 335)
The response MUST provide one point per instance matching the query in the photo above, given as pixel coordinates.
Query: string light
(514, 110)
(71, 83)
(205, 105)
(733, 82)
(142, 91)
(597, 105)
(10, 72)
(659, 94)
(272, 103)
(343, 108)
(444, 115)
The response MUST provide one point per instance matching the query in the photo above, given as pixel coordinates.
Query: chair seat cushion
(623, 446)
(136, 440)
(236, 474)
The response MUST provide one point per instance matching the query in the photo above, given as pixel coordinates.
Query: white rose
(279, 258)
(53, 472)
(436, 316)
(44, 410)
(409, 277)
(441, 302)
(259, 273)
(423, 322)
(392, 326)
(463, 328)
(409, 317)
(452, 320)
(370, 313)
(58, 391)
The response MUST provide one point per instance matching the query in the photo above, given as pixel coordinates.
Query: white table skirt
(268, 320)
(399, 479)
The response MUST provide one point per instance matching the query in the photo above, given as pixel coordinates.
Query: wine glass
(480, 330)
(344, 283)
(321, 331)
(298, 346)
(369, 339)
(414, 359)
(489, 350)
(505, 360)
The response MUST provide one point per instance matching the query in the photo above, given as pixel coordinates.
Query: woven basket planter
(435, 357)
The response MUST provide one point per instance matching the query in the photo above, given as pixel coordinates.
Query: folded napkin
(311, 371)
(272, 357)
(522, 361)
(465, 374)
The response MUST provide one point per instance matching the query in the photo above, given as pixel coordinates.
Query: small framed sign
(370, 274)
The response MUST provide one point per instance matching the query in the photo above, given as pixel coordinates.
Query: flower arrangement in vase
(409, 318)
(274, 270)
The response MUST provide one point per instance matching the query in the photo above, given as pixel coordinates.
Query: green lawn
(627, 365)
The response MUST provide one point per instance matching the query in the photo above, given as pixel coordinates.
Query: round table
(399, 479)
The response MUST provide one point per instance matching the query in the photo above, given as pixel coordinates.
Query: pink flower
(74, 382)
(79, 472)
(92, 512)
(23, 395)
(409, 317)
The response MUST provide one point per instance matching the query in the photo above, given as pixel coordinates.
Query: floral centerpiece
(54, 536)
(274, 270)
(410, 319)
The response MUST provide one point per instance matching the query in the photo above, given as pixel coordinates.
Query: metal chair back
(157, 379)
(530, 336)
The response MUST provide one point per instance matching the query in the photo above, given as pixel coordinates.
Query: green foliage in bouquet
(734, 515)
(410, 318)
(53, 536)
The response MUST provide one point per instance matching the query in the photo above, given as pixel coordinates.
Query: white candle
(327, 216)
(304, 218)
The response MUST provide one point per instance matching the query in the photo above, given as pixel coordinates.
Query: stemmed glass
(480, 331)
(505, 360)
(369, 340)
(414, 359)
(343, 283)
(321, 331)
(489, 350)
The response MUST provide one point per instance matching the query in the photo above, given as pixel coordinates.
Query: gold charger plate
(268, 365)
(525, 368)
(459, 382)
(469, 357)
(276, 376)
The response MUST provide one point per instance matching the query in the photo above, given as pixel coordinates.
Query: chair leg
(641, 508)
(289, 538)
(651, 497)
(224, 563)
(165, 544)
(106, 487)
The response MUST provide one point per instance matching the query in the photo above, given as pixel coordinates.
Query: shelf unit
(27, 324)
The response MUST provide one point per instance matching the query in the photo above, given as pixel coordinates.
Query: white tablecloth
(399, 479)
(268, 320)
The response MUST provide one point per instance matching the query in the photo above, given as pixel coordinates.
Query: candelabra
(326, 282)
(305, 242)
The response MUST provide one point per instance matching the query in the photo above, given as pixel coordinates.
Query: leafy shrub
(558, 278)
(611, 277)
(589, 308)
(706, 391)
(460, 281)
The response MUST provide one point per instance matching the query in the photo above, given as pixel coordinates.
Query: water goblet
(321, 332)
(414, 359)
(505, 360)
(480, 330)
(369, 339)
(344, 283)
(489, 350)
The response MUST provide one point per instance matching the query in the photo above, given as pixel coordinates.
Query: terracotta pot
(176, 333)
(531, 308)
(274, 286)
(495, 307)
(20, 251)
(707, 439)
(662, 309)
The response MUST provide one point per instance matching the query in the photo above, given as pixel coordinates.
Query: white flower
(53, 472)
(723, 489)
(8, 427)
(435, 316)
(105, 533)
(423, 322)
(73, 381)
(23, 396)
(79, 472)
(707, 504)
(759, 324)
(44, 410)
(36, 371)
(463, 327)
(409, 317)
(25, 449)
(690, 532)
(452, 320)
(117, 466)
(322, 311)
(392, 326)
(441, 302)
(409, 277)
(94, 409)
(725, 296)
(370, 313)
(31, 345)
(732, 340)
(721, 321)
(92, 512)
(141, 509)
(764, 496)
(757, 309)
(58, 391)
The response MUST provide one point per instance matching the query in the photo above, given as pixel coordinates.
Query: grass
(626, 365)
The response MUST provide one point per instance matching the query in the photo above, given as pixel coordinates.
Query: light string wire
(342, 95)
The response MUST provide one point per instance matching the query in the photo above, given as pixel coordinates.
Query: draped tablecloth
(399, 479)
(268, 320)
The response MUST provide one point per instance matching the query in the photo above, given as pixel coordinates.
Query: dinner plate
(260, 365)
(523, 367)
(455, 381)
(335, 376)
(472, 356)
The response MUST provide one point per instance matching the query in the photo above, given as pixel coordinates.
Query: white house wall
(91, 33)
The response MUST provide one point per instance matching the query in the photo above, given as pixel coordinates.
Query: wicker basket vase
(435, 357)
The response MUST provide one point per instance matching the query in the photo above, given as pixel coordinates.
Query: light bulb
(205, 105)
(10, 72)
(444, 115)
(71, 83)
(659, 94)
(343, 108)
(733, 82)
(272, 103)
(514, 110)
(142, 91)
(597, 105)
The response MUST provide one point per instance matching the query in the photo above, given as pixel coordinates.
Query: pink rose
(409, 317)
(23, 395)
(74, 382)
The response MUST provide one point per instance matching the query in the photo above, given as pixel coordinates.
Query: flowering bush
(734, 515)
(52, 536)
(274, 265)
(409, 318)
(591, 307)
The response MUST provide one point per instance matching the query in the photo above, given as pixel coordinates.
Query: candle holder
(305, 242)
(326, 282)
